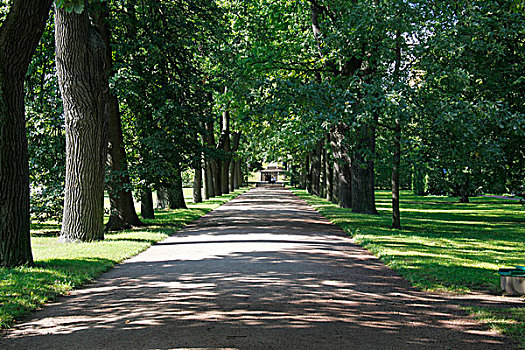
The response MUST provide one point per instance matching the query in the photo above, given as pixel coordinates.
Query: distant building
(272, 173)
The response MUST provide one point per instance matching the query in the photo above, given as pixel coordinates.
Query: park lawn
(63, 267)
(444, 245)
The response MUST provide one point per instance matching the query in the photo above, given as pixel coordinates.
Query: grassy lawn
(62, 267)
(444, 245)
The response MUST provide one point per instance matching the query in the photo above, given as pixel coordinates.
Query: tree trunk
(342, 192)
(418, 179)
(162, 198)
(322, 159)
(225, 146)
(464, 191)
(396, 163)
(20, 33)
(329, 172)
(122, 213)
(235, 146)
(316, 169)
(80, 53)
(216, 167)
(239, 174)
(176, 193)
(197, 181)
(362, 163)
(146, 204)
(308, 174)
(208, 179)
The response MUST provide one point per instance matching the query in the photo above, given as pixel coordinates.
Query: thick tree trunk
(19, 36)
(146, 204)
(342, 192)
(239, 174)
(197, 181)
(363, 196)
(162, 198)
(122, 213)
(80, 56)
(209, 190)
(234, 175)
(176, 193)
(345, 186)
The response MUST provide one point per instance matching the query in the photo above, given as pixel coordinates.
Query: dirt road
(264, 271)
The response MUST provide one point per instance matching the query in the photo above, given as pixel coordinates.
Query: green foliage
(76, 6)
(45, 131)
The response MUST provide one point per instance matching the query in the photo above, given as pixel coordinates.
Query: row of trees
(351, 94)
(430, 91)
(119, 96)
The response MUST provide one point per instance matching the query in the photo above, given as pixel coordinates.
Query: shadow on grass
(446, 245)
(26, 288)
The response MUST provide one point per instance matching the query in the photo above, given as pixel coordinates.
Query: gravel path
(264, 271)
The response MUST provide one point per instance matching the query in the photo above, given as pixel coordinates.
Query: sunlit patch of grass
(509, 321)
(444, 245)
(61, 267)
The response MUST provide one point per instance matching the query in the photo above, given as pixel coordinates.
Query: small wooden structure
(271, 174)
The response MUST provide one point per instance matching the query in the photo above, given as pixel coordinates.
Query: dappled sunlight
(281, 276)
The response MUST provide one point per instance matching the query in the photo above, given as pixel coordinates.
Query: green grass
(444, 245)
(63, 267)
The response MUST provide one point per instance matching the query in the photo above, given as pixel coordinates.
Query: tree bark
(226, 147)
(80, 56)
(464, 191)
(316, 169)
(329, 171)
(197, 180)
(176, 193)
(236, 138)
(122, 213)
(146, 204)
(162, 198)
(396, 163)
(239, 174)
(214, 163)
(19, 35)
(209, 190)
(323, 189)
(308, 181)
(342, 168)
(362, 167)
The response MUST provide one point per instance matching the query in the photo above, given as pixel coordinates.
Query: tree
(19, 35)
(122, 211)
(81, 57)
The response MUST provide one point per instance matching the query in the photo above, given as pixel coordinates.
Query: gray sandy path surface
(264, 271)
